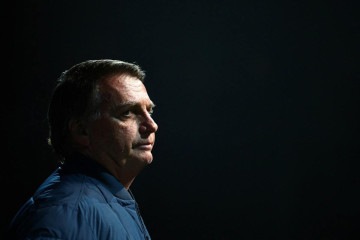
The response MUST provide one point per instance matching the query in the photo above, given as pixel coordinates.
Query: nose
(148, 125)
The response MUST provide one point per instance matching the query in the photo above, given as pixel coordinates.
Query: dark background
(257, 107)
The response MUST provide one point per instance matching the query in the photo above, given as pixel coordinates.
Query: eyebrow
(133, 103)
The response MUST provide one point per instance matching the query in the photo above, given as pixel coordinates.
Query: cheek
(124, 136)
(113, 135)
(100, 130)
(102, 133)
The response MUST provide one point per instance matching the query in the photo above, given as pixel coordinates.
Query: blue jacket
(82, 201)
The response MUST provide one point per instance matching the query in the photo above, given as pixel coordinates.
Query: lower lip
(144, 147)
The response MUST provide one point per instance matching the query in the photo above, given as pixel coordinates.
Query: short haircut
(76, 96)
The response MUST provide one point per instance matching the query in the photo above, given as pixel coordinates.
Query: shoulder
(70, 191)
(87, 220)
(72, 205)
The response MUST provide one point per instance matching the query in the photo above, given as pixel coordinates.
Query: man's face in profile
(124, 134)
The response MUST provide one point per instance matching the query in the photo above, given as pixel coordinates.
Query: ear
(78, 132)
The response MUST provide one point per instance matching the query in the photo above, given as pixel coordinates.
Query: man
(101, 126)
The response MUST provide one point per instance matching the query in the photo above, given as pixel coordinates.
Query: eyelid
(128, 109)
(126, 112)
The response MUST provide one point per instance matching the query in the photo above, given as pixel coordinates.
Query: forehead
(123, 88)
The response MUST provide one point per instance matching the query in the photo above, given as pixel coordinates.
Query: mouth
(144, 146)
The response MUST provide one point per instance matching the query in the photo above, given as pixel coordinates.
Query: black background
(257, 107)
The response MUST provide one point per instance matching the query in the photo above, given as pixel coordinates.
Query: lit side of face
(124, 134)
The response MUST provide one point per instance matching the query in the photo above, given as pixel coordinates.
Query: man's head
(101, 108)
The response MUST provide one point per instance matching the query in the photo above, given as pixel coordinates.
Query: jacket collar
(81, 164)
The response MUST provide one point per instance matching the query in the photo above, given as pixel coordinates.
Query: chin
(146, 158)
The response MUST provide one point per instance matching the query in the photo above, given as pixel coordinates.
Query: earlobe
(78, 132)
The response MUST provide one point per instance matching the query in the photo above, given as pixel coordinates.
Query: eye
(126, 113)
(151, 111)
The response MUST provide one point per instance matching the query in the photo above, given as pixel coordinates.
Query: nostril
(142, 128)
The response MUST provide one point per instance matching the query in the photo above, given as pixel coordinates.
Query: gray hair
(76, 96)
